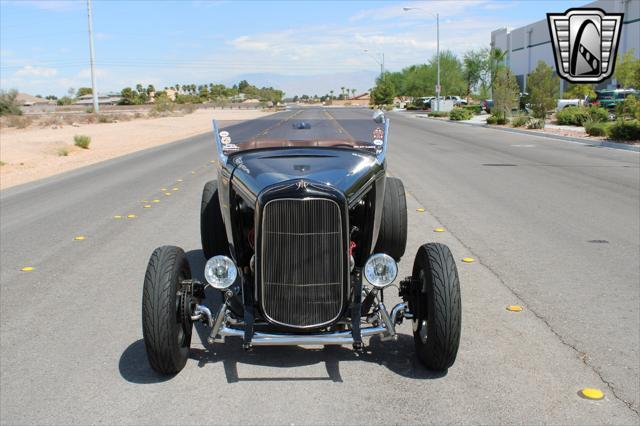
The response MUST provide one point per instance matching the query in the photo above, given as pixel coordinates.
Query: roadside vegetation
(82, 141)
(8, 104)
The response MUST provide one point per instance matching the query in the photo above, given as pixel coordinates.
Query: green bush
(163, 104)
(8, 103)
(438, 114)
(594, 128)
(82, 141)
(625, 130)
(536, 123)
(458, 114)
(520, 120)
(475, 109)
(577, 116)
(105, 119)
(497, 119)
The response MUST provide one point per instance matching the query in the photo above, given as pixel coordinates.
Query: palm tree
(178, 88)
(496, 60)
(353, 93)
(331, 91)
(342, 91)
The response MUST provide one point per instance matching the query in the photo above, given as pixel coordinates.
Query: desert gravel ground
(32, 153)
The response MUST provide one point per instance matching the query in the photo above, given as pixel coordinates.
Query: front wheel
(436, 306)
(166, 319)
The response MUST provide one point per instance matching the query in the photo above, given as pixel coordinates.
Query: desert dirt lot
(35, 153)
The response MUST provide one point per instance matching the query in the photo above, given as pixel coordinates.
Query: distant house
(109, 99)
(359, 100)
(27, 100)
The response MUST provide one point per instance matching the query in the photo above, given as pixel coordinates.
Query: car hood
(347, 170)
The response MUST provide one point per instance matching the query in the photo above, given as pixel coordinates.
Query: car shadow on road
(398, 356)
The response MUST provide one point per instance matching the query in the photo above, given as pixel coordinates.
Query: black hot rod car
(302, 231)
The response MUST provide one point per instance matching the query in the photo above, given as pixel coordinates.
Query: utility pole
(438, 56)
(94, 90)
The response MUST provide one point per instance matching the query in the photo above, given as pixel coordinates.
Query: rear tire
(392, 238)
(212, 231)
(436, 305)
(165, 328)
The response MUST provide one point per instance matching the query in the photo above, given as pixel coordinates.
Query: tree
(331, 91)
(9, 103)
(383, 93)
(242, 86)
(495, 62)
(505, 92)
(52, 98)
(474, 64)
(627, 72)
(65, 100)
(84, 91)
(580, 91)
(543, 87)
(353, 93)
(151, 89)
(178, 88)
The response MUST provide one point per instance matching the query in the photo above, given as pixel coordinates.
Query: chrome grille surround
(302, 262)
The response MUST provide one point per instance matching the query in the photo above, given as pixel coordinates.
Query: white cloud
(30, 71)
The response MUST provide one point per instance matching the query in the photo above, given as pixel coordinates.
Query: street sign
(438, 87)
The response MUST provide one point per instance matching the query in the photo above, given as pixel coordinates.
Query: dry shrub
(18, 121)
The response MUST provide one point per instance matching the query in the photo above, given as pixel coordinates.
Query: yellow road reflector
(179, 180)
(155, 201)
(175, 189)
(27, 269)
(163, 189)
(117, 216)
(420, 209)
(147, 206)
(131, 216)
(144, 201)
(591, 393)
(79, 238)
(167, 193)
(468, 260)
(514, 308)
(193, 172)
(438, 230)
(213, 161)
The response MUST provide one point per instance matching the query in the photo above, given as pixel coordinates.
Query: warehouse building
(527, 45)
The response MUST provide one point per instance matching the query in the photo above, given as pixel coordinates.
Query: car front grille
(302, 262)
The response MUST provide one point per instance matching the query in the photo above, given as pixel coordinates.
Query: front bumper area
(223, 327)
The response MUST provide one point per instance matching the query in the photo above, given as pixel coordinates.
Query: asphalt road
(526, 208)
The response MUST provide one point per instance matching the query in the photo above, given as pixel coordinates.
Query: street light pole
(437, 15)
(96, 106)
(381, 63)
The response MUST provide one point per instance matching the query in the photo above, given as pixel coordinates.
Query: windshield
(352, 128)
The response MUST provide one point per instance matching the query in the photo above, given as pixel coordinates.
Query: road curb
(584, 141)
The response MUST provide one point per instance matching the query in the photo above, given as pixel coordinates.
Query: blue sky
(44, 44)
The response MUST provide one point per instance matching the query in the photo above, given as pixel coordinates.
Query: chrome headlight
(380, 270)
(220, 272)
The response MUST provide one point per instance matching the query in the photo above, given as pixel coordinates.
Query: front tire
(165, 326)
(392, 237)
(212, 231)
(436, 305)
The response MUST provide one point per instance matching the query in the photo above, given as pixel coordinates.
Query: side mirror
(378, 116)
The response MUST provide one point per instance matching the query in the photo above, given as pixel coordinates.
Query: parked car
(487, 105)
(302, 230)
(610, 99)
(457, 100)
(564, 103)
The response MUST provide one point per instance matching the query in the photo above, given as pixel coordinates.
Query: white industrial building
(527, 45)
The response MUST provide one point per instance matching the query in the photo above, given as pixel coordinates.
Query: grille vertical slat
(302, 261)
